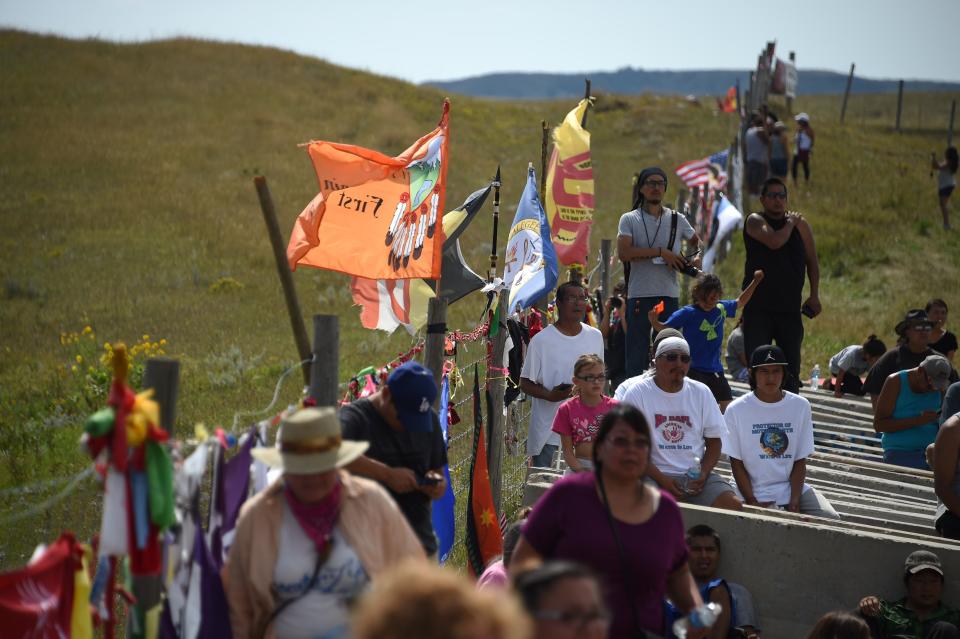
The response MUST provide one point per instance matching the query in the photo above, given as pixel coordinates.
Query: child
(852, 362)
(702, 326)
(578, 419)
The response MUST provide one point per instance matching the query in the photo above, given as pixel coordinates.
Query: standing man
(407, 452)
(781, 245)
(548, 368)
(648, 242)
(757, 145)
(769, 437)
(687, 427)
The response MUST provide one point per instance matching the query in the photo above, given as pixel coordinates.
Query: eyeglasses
(656, 184)
(581, 619)
(625, 442)
(672, 357)
(592, 378)
(777, 195)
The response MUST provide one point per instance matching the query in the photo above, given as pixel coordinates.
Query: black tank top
(784, 270)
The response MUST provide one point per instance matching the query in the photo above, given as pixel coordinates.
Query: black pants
(948, 525)
(852, 385)
(786, 329)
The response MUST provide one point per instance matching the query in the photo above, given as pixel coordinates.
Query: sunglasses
(672, 357)
(592, 378)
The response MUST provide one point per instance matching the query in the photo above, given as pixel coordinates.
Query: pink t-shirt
(579, 421)
(495, 576)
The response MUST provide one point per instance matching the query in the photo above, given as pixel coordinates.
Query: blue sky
(421, 41)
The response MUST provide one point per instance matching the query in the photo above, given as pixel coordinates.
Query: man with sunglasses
(779, 243)
(687, 427)
(648, 243)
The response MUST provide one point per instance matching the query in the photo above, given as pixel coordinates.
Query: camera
(690, 270)
(615, 302)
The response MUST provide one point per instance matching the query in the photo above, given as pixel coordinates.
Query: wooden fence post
(606, 248)
(846, 93)
(899, 104)
(286, 277)
(496, 385)
(325, 360)
(433, 345)
(162, 374)
(953, 112)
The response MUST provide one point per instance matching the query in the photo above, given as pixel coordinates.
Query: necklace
(644, 222)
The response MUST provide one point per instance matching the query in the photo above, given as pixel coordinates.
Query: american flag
(697, 172)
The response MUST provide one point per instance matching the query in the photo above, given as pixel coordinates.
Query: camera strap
(673, 238)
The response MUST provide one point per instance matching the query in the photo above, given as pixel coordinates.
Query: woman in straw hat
(308, 545)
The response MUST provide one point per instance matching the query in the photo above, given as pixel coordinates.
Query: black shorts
(948, 525)
(946, 191)
(716, 382)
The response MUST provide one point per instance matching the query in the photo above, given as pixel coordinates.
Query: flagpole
(496, 222)
(545, 136)
(586, 96)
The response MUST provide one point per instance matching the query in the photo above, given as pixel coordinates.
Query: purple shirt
(569, 522)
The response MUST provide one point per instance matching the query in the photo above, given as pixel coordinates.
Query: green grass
(127, 204)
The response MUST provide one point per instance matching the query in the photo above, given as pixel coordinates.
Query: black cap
(914, 317)
(768, 355)
(650, 171)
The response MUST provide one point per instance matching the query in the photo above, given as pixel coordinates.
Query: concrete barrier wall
(798, 571)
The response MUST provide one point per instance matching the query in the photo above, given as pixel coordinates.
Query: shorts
(716, 382)
(712, 489)
(778, 167)
(946, 191)
(948, 525)
(585, 464)
(756, 174)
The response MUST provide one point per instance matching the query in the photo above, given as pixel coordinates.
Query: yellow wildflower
(79, 359)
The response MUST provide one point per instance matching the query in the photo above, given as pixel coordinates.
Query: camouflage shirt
(896, 621)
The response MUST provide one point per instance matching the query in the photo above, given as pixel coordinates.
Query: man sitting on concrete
(919, 615)
(738, 613)
(687, 425)
(768, 439)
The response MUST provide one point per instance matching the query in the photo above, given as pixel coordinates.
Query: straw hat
(308, 442)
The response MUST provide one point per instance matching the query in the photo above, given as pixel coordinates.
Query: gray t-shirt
(851, 360)
(756, 146)
(652, 277)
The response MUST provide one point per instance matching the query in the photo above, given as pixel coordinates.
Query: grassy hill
(127, 206)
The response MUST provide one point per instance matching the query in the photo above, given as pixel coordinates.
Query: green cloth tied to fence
(160, 485)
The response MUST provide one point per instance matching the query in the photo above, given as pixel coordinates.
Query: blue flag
(530, 266)
(444, 521)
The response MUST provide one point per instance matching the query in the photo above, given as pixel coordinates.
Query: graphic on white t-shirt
(672, 430)
(773, 439)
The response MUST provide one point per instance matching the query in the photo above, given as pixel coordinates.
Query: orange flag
(484, 541)
(659, 307)
(376, 216)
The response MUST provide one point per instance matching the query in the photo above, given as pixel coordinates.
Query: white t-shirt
(678, 421)
(549, 362)
(322, 613)
(768, 439)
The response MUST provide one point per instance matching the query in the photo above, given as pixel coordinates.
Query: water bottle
(815, 377)
(692, 474)
(702, 617)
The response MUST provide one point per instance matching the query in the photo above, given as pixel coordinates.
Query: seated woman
(628, 532)
(308, 545)
(769, 436)
(849, 364)
(908, 409)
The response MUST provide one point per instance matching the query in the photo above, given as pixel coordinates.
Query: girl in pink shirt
(578, 418)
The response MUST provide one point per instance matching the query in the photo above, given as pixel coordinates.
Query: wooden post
(496, 223)
(899, 104)
(793, 61)
(606, 248)
(953, 112)
(681, 199)
(433, 346)
(846, 93)
(325, 360)
(162, 374)
(496, 385)
(586, 96)
(286, 277)
(544, 138)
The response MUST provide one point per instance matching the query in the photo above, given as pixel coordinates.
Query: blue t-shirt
(704, 333)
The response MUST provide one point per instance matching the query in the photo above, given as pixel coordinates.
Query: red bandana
(317, 520)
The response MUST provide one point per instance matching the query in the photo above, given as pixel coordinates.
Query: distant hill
(629, 81)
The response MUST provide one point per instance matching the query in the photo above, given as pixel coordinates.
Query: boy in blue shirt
(702, 326)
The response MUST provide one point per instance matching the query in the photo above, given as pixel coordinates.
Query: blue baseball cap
(413, 390)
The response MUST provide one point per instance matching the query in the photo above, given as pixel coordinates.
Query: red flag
(37, 601)
(484, 539)
(729, 103)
